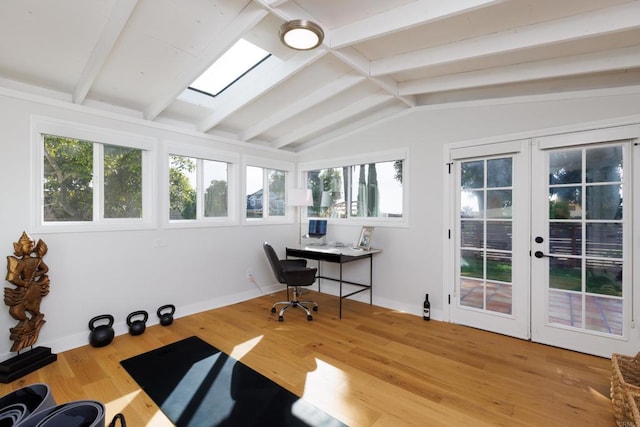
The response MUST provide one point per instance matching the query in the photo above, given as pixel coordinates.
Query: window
(90, 178)
(368, 190)
(269, 203)
(198, 188)
(241, 58)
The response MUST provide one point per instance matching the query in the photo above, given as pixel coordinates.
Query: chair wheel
(280, 319)
(315, 308)
(309, 317)
(273, 309)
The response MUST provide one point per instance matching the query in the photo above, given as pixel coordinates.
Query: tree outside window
(68, 180)
(366, 190)
(184, 173)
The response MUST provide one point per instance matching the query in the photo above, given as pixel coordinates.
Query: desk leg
(319, 275)
(370, 279)
(340, 291)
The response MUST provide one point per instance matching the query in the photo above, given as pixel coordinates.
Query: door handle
(540, 254)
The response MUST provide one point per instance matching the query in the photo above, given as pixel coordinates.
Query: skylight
(241, 58)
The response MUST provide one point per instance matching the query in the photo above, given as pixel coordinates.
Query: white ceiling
(379, 58)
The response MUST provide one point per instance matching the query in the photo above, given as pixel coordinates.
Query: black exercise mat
(195, 384)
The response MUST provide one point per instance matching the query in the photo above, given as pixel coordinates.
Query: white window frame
(200, 153)
(375, 157)
(260, 162)
(99, 136)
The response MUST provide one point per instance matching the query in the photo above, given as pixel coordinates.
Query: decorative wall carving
(28, 272)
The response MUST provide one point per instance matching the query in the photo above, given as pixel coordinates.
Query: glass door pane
(585, 238)
(485, 224)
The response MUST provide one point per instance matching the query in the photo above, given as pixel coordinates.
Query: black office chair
(294, 273)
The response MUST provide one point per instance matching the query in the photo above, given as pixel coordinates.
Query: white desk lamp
(299, 197)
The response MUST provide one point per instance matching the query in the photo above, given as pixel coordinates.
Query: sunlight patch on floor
(241, 349)
(159, 420)
(117, 405)
(328, 377)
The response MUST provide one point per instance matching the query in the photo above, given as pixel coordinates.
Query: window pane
(565, 238)
(604, 202)
(604, 277)
(472, 264)
(499, 203)
(472, 174)
(68, 174)
(604, 164)
(327, 188)
(499, 297)
(499, 172)
(471, 293)
(499, 235)
(565, 167)
(499, 266)
(182, 187)
(122, 182)
(384, 183)
(609, 319)
(565, 308)
(254, 191)
(241, 58)
(604, 240)
(376, 189)
(472, 204)
(565, 273)
(276, 192)
(215, 176)
(565, 203)
(472, 234)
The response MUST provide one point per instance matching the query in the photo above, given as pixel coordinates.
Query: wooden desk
(337, 255)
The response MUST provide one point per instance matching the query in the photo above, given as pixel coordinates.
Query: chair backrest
(274, 261)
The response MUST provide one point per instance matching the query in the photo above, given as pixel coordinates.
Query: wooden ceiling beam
(401, 18)
(297, 106)
(120, 14)
(601, 22)
(610, 60)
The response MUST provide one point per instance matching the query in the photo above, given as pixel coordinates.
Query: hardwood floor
(373, 367)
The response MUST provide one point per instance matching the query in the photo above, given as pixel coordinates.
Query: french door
(491, 285)
(582, 242)
(543, 240)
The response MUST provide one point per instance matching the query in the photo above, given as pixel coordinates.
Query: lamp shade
(299, 197)
(301, 34)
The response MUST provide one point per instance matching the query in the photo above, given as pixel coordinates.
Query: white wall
(119, 272)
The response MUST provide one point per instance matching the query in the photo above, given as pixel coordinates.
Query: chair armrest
(300, 276)
(289, 264)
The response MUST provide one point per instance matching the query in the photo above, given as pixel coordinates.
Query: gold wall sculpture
(28, 272)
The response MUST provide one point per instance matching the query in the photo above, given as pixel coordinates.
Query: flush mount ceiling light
(301, 34)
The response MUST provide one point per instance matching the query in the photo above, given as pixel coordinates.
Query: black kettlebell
(137, 327)
(166, 318)
(101, 335)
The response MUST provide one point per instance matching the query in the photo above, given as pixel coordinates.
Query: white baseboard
(80, 339)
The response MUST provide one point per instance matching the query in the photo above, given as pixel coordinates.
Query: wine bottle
(426, 312)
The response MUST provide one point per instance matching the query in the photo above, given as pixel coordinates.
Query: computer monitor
(317, 227)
